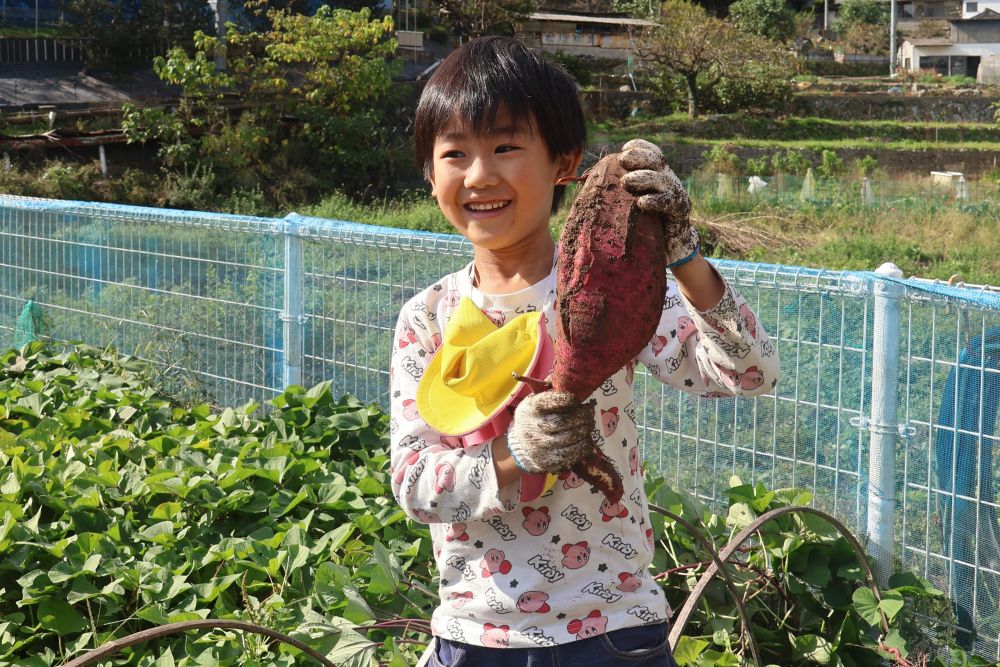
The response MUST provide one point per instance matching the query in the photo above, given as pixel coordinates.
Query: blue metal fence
(886, 410)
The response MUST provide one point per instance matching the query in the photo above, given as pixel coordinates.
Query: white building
(960, 53)
(973, 8)
(609, 37)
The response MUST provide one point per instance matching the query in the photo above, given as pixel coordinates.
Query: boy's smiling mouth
(487, 206)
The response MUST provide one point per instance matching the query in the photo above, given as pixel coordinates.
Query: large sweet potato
(611, 280)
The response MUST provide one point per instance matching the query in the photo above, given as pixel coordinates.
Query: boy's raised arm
(720, 351)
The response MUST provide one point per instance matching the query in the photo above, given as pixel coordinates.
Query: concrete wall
(612, 104)
(972, 109)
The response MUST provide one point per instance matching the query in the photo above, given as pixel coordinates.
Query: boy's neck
(508, 271)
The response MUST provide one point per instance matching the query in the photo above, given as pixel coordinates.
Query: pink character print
(408, 338)
(533, 601)
(576, 555)
(591, 626)
(496, 316)
(629, 372)
(435, 341)
(633, 459)
(445, 477)
(570, 480)
(609, 421)
(451, 298)
(750, 379)
(611, 510)
(456, 532)
(459, 600)
(426, 516)
(658, 343)
(494, 562)
(452, 441)
(629, 582)
(400, 472)
(495, 636)
(536, 521)
(649, 538)
(410, 409)
(749, 320)
(686, 328)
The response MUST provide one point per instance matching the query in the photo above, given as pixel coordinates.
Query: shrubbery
(834, 68)
(315, 103)
(124, 509)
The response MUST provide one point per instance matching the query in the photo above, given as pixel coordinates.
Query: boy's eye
(506, 148)
(448, 154)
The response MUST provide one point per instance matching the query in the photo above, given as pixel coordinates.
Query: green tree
(704, 51)
(313, 93)
(637, 8)
(768, 18)
(475, 18)
(863, 25)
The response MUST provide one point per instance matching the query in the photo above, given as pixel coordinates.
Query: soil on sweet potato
(611, 281)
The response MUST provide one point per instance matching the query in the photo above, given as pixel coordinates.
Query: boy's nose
(481, 174)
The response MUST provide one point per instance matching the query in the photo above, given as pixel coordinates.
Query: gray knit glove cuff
(661, 194)
(551, 431)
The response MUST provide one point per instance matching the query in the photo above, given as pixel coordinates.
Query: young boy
(538, 570)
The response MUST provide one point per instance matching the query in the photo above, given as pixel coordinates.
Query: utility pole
(221, 16)
(892, 38)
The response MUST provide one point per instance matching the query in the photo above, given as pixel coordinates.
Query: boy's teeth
(487, 206)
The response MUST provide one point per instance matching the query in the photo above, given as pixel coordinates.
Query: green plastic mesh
(29, 325)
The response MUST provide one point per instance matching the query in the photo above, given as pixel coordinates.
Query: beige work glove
(551, 432)
(661, 194)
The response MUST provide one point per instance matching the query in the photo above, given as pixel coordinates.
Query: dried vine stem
(115, 646)
(716, 566)
(684, 616)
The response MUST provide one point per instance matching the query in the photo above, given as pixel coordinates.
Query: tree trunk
(692, 86)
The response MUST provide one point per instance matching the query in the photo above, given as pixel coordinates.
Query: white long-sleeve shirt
(568, 565)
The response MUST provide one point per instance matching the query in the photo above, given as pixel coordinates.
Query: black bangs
(495, 80)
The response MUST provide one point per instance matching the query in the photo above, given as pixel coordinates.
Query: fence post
(962, 189)
(291, 316)
(867, 194)
(882, 423)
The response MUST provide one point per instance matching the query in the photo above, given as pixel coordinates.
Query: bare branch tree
(702, 49)
(474, 18)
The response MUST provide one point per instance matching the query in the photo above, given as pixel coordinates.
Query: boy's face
(496, 189)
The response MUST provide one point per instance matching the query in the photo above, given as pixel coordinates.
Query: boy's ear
(429, 175)
(568, 164)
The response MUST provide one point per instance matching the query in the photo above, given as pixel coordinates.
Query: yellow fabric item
(470, 379)
(550, 481)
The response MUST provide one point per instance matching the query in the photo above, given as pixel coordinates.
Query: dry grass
(742, 233)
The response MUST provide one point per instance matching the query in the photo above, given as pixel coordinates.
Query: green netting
(29, 327)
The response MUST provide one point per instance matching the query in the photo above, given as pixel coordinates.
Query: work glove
(551, 431)
(660, 194)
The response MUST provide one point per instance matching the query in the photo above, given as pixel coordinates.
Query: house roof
(588, 18)
(985, 15)
(930, 41)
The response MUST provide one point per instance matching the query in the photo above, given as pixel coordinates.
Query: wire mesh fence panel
(800, 436)
(197, 295)
(948, 487)
(217, 303)
(356, 280)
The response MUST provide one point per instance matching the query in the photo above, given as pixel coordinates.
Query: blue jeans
(642, 646)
